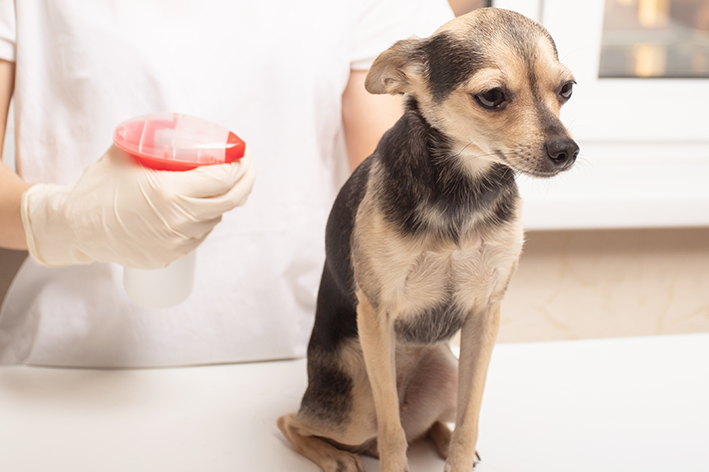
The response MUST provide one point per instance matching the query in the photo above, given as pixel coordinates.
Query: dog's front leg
(376, 334)
(477, 339)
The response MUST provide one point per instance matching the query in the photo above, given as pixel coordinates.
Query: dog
(423, 239)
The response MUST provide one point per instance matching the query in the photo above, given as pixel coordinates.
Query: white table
(637, 404)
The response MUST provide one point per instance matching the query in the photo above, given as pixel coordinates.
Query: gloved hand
(122, 212)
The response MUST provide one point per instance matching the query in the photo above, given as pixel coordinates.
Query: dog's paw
(394, 466)
(345, 462)
(454, 466)
(477, 460)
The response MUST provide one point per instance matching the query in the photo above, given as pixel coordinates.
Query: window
(655, 38)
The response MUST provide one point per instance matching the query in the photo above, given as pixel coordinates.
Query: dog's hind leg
(476, 343)
(378, 340)
(308, 442)
(440, 435)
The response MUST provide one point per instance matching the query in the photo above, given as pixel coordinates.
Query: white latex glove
(122, 212)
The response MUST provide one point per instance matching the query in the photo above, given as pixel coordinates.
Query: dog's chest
(430, 286)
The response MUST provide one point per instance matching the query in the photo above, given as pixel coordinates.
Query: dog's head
(491, 81)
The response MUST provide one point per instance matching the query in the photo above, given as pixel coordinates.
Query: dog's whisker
(464, 148)
(510, 140)
(584, 163)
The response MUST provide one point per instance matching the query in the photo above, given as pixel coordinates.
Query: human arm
(12, 234)
(366, 117)
(461, 7)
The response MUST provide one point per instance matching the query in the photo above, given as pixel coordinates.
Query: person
(287, 77)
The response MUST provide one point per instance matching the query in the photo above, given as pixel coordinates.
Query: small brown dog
(423, 239)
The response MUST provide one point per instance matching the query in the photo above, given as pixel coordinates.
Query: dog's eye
(492, 99)
(566, 90)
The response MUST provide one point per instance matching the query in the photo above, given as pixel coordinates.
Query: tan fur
(408, 274)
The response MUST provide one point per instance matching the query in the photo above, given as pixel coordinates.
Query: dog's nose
(562, 151)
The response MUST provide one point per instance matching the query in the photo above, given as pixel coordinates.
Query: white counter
(625, 405)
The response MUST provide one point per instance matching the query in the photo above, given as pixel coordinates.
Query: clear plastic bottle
(172, 142)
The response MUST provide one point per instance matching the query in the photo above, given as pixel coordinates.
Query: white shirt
(272, 72)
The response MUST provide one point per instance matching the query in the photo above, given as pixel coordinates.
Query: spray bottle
(172, 142)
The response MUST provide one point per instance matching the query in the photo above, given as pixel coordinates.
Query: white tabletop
(637, 404)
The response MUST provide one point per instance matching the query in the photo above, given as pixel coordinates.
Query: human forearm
(12, 233)
(366, 117)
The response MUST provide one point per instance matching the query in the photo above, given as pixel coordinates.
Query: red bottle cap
(172, 141)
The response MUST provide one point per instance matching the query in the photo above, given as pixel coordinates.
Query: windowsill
(623, 186)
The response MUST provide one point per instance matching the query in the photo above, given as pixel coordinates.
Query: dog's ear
(396, 68)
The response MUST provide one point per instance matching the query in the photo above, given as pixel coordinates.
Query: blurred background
(619, 245)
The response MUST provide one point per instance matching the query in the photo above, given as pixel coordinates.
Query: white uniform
(273, 72)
